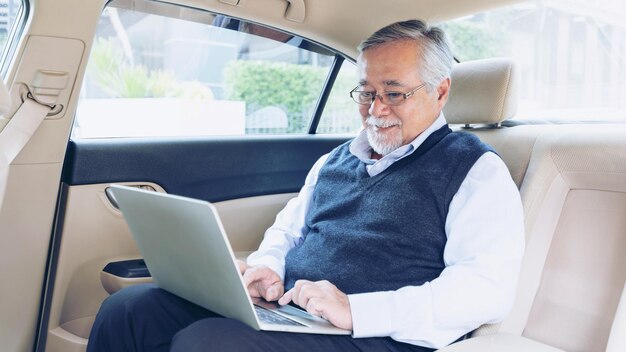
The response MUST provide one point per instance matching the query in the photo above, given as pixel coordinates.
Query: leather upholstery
(572, 179)
(483, 92)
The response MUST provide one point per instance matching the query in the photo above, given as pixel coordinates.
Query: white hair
(435, 50)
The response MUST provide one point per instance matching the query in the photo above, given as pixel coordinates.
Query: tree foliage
(473, 41)
(118, 78)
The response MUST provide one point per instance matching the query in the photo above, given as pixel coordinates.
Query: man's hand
(322, 299)
(261, 281)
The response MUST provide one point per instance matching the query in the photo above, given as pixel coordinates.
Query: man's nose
(378, 108)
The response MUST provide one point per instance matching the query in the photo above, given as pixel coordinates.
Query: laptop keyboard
(269, 317)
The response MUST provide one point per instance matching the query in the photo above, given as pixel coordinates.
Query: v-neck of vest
(433, 139)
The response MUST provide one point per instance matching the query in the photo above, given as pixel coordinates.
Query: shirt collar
(361, 148)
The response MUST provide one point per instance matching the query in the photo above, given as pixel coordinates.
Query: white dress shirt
(483, 253)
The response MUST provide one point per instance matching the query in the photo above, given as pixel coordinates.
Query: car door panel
(214, 170)
(249, 178)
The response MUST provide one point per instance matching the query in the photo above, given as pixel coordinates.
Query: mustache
(372, 121)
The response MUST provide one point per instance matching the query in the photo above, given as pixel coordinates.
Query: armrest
(117, 275)
(499, 342)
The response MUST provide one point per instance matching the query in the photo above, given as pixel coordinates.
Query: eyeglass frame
(405, 96)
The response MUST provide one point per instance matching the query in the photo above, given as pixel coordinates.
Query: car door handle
(113, 201)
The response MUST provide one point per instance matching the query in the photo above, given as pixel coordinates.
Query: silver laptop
(187, 252)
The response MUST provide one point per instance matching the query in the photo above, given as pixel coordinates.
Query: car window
(572, 55)
(341, 114)
(156, 69)
(11, 19)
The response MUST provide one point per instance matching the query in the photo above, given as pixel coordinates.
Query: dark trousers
(147, 318)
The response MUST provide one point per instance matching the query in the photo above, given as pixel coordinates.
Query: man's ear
(444, 89)
(443, 92)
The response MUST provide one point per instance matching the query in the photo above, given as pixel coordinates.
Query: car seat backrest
(574, 268)
(483, 94)
(572, 181)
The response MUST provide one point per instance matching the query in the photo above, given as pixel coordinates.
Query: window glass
(341, 113)
(162, 70)
(10, 11)
(572, 55)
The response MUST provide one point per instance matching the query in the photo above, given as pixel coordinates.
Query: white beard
(386, 143)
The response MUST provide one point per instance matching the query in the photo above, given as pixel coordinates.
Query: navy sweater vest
(383, 232)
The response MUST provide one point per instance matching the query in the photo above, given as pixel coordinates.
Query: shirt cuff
(270, 261)
(371, 314)
(405, 315)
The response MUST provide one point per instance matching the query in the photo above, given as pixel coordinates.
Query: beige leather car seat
(484, 93)
(573, 187)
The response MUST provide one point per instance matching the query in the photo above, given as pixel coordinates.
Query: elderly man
(410, 235)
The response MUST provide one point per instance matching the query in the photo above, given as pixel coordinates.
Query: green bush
(293, 88)
(290, 87)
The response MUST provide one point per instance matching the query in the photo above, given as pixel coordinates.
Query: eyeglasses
(388, 98)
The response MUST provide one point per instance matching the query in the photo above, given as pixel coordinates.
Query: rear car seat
(573, 187)
(484, 93)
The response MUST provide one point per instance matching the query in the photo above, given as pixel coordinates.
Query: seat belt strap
(16, 134)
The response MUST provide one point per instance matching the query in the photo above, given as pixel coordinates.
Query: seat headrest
(483, 92)
(5, 99)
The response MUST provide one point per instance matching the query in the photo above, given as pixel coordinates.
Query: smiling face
(395, 67)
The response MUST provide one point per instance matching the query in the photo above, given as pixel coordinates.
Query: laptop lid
(186, 250)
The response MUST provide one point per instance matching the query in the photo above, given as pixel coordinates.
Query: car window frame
(14, 36)
(198, 15)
